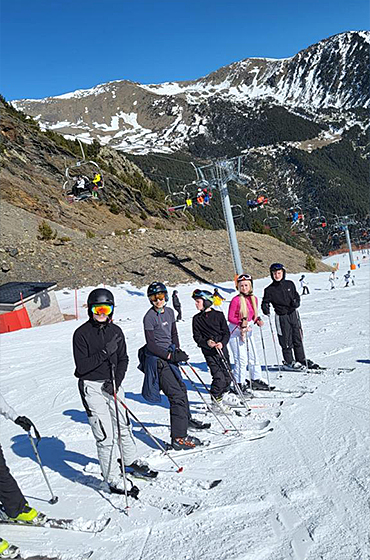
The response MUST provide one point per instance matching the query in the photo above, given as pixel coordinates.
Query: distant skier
(159, 360)
(348, 278)
(332, 279)
(177, 305)
(304, 285)
(99, 348)
(13, 502)
(211, 333)
(284, 298)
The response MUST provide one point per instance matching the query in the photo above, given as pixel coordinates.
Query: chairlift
(271, 222)
(237, 211)
(87, 174)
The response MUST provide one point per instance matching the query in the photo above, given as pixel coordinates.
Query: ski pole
(249, 363)
(210, 394)
(153, 438)
(122, 465)
(264, 355)
(301, 335)
(232, 377)
(204, 400)
(53, 499)
(274, 342)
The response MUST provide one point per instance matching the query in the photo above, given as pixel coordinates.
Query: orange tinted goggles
(102, 309)
(161, 296)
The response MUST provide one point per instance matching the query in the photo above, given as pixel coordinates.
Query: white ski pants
(240, 354)
(101, 413)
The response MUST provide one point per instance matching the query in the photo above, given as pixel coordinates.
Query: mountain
(254, 102)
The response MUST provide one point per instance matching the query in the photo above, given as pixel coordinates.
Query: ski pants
(220, 376)
(11, 497)
(244, 356)
(289, 333)
(101, 413)
(305, 290)
(179, 313)
(175, 391)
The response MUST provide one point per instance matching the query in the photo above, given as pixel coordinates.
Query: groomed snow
(300, 493)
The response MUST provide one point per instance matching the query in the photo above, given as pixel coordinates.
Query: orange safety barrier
(14, 320)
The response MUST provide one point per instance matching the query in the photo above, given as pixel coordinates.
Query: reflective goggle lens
(161, 296)
(102, 309)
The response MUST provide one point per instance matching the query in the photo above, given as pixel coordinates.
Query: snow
(301, 493)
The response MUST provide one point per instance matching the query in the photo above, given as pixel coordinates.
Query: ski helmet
(100, 295)
(157, 288)
(204, 295)
(242, 277)
(277, 266)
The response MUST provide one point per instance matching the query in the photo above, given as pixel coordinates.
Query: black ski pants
(11, 497)
(290, 337)
(179, 313)
(305, 290)
(220, 376)
(175, 391)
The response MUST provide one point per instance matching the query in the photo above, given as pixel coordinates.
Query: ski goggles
(160, 296)
(244, 277)
(102, 309)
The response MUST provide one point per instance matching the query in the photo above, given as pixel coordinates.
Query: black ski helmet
(277, 266)
(99, 295)
(204, 295)
(157, 288)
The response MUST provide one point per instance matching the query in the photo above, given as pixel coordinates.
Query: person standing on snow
(176, 305)
(211, 333)
(332, 279)
(304, 285)
(284, 298)
(99, 348)
(159, 360)
(243, 310)
(14, 504)
(347, 278)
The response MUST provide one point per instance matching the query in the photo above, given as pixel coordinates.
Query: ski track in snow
(300, 493)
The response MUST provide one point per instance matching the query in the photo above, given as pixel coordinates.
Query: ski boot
(293, 366)
(218, 405)
(117, 486)
(29, 516)
(8, 550)
(259, 385)
(141, 469)
(198, 425)
(188, 442)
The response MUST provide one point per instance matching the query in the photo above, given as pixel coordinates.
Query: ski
(20, 556)
(80, 525)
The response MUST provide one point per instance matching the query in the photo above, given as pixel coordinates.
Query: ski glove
(112, 345)
(178, 355)
(24, 423)
(107, 387)
(295, 303)
(265, 308)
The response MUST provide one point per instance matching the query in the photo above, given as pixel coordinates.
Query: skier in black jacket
(99, 347)
(284, 298)
(211, 333)
(176, 305)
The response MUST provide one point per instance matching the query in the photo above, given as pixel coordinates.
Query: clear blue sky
(49, 47)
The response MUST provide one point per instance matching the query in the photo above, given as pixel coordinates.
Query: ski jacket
(160, 332)
(91, 359)
(210, 325)
(234, 310)
(6, 410)
(148, 365)
(176, 302)
(282, 295)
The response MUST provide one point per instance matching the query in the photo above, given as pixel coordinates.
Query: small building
(28, 304)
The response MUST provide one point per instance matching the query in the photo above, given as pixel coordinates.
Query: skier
(332, 279)
(347, 278)
(217, 298)
(283, 296)
(14, 504)
(304, 285)
(99, 349)
(176, 305)
(244, 309)
(159, 360)
(211, 333)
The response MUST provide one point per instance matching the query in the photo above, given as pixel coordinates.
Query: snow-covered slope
(332, 74)
(300, 493)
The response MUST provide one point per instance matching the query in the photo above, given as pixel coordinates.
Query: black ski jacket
(91, 359)
(210, 325)
(176, 302)
(282, 295)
